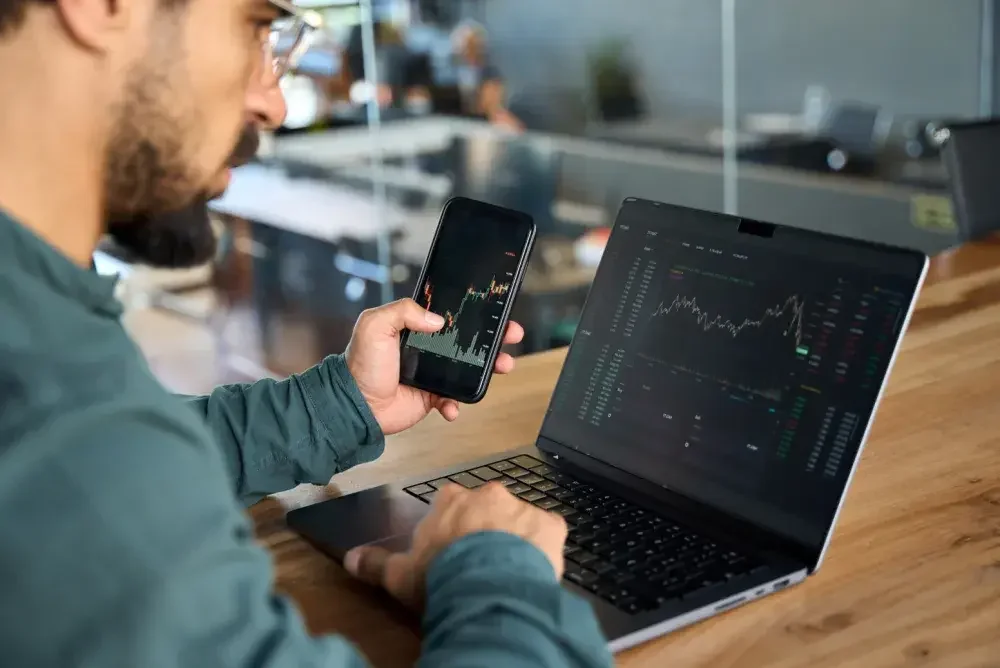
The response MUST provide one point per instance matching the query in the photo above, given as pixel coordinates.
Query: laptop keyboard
(633, 558)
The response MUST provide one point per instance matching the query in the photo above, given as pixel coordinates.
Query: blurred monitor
(857, 128)
(971, 154)
(519, 173)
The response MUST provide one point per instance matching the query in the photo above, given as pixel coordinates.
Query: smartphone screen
(470, 278)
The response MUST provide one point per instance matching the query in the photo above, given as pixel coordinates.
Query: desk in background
(913, 574)
(601, 171)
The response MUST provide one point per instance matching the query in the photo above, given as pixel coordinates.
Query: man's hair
(12, 11)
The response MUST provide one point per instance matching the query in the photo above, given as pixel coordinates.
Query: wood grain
(913, 574)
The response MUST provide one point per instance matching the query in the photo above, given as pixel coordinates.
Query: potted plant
(614, 82)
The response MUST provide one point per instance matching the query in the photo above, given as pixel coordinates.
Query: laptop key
(420, 489)
(516, 472)
(650, 571)
(600, 549)
(531, 479)
(569, 549)
(506, 481)
(582, 557)
(501, 466)
(467, 480)
(626, 563)
(634, 606)
(565, 511)
(582, 577)
(526, 461)
(546, 486)
(486, 473)
(518, 488)
(541, 470)
(601, 567)
(429, 496)
(547, 503)
(616, 594)
(622, 577)
(597, 527)
(531, 495)
(439, 483)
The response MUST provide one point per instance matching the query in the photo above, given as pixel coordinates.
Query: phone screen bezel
(473, 207)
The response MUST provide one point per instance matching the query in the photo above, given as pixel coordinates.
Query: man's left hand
(373, 360)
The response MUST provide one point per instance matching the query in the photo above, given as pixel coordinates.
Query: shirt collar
(22, 250)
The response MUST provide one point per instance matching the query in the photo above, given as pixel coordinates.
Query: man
(479, 82)
(453, 70)
(121, 543)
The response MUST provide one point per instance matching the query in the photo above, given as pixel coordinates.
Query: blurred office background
(821, 115)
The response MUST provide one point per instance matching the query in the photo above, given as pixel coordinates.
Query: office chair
(971, 155)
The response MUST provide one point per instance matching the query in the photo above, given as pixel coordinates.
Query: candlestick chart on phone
(472, 312)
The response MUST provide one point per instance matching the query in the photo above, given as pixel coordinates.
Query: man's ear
(96, 24)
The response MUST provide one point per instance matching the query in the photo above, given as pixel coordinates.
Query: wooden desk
(913, 574)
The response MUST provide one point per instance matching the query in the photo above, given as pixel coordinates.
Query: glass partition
(818, 115)
(834, 112)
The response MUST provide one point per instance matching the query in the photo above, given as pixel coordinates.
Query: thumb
(367, 563)
(393, 571)
(403, 314)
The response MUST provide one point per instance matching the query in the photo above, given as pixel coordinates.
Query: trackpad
(382, 515)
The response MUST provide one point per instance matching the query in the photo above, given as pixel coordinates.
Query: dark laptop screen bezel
(909, 264)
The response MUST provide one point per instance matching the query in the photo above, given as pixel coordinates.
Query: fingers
(514, 333)
(367, 563)
(399, 315)
(505, 363)
(393, 571)
(400, 577)
(448, 409)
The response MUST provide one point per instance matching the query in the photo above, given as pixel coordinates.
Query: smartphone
(470, 278)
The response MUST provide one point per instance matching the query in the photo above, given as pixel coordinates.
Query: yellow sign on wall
(933, 213)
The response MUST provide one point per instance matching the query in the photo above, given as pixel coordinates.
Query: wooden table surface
(913, 572)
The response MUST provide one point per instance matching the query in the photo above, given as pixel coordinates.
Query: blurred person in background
(122, 536)
(479, 81)
(395, 86)
(454, 68)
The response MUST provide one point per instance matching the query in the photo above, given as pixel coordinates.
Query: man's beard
(180, 238)
(156, 207)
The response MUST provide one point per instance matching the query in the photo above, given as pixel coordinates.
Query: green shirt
(123, 537)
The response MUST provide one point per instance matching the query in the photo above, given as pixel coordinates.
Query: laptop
(706, 423)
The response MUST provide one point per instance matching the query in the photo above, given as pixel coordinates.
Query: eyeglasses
(290, 37)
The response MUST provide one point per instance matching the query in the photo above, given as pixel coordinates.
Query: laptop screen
(734, 362)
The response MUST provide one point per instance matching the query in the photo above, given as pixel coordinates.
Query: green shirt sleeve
(149, 561)
(275, 435)
(493, 600)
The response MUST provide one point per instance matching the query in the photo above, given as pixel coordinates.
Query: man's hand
(457, 512)
(373, 360)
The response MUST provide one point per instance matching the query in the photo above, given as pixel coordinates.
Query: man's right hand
(457, 512)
